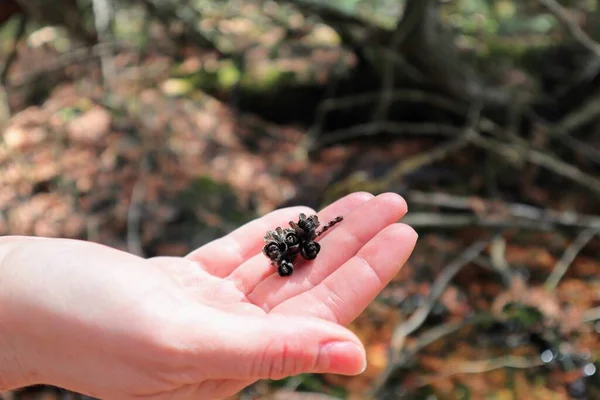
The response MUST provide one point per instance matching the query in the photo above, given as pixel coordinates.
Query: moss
(214, 197)
(228, 75)
(266, 77)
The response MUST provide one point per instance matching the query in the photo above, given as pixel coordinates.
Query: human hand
(112, 325)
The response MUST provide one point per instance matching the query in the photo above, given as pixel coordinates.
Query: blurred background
(155, 126)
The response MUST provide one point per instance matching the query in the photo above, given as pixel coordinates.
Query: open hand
(112, 325)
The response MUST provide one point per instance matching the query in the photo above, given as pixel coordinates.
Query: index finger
(222, 256)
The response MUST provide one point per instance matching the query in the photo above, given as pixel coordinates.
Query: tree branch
(561, 267)
(572, 27)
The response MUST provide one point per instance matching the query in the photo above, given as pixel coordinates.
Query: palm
(358, 258)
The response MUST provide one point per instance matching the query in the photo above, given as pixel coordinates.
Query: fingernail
(345, 358)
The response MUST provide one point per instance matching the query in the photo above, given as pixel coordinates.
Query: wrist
(14, 370)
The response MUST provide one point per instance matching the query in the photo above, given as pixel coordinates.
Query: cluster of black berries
(283, 245)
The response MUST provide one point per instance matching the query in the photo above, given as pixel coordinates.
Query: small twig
(418, 161)
(509, 361)
(568, 257)
(498, 258)
(578, 118)
(517, 155)
(436, 333)
(72, 57)
(479, 367)
(371, 129)
(507, 214)
(134, 213)
(425, 339)
(572, 121)
(403, 168)
(574, 29)
(485, 263)
(438, 287)
(591, 315)
(166, 13)
(322, 109)
(103, 17)
(8, 62)
(454, 221)
(12, 53)
(408, 95)
(422, 159)
(388, 73)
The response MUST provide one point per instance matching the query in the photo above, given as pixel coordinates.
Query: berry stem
(329, 225)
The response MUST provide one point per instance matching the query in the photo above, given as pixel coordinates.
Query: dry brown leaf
(90, 127)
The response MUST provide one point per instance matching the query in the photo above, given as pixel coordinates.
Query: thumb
(277, 346)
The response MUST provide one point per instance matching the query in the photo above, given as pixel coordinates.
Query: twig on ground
(578, 118)
(371, 129)
(437, 288)
(72, 57)
(561, 267)
(166, 14)
(8, 62)
(382, 126)
(135, 211)
(401, 169)
(591, 315)
(388, 73)
(494, 213)
(516, 154)
(435, 155)
(486, 263)
(416, 162)
(408, 95)
(103, 17)
(479, 367)
(454, 221)
(397, 356)
(574, 29)
(425, 339)
(561, 131)
(322, 109)
(498, 258)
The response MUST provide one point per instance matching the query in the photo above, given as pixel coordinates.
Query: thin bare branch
(479, 367)
(561, 267)
(401, 169)
(388, 73)
(103, 18)
(438, 287)
(591, 315)
(386, 127)
(135, 211)
(494, 213)
(579, 117)
(454, 221)
(408, 95)
(572, 27)
(8, 62)
(516, 154)
(423, 340)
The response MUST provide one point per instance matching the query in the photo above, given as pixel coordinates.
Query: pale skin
(112, 325)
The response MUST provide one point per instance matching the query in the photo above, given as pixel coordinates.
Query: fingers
(337, 247)
(258, 268)
(343, 295)
(278, 346)
(220, 257)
